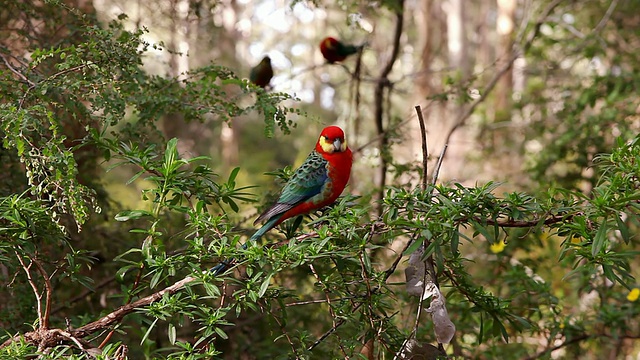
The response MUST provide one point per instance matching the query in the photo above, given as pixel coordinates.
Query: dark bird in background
(334, 50)
(262, 73)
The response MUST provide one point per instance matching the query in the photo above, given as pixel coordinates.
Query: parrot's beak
(337, 145)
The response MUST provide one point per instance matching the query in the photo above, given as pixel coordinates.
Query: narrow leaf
(264, 286)
(146, 335)
(172, 334)
(624, 230)
(131, 215)
(599, 239)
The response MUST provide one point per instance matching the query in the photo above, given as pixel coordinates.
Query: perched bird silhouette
(316, 183)
(262, 73)
(334, 50)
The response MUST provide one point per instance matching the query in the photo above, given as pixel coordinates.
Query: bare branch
(510, 223)
(606, 17)
(122, 311)
(425, 151)
(36, 291)
(439, 164)
(552, 349)
(15, 71)
(48, 294)
(461, 121)
(325, 289)
(383, 83)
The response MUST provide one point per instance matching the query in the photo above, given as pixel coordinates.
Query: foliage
(319, 291)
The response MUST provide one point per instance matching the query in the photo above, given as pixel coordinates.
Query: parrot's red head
(329, 43)
(331, 141)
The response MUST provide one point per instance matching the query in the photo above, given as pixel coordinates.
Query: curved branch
(383, 83)
(122, 311)
(461, 121)
(50, 337)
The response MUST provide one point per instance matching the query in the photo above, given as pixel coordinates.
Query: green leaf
(483, 230)
(172, 334)
(221, 333)
(233, 175)
(131, 215)
(264, 286)
(455, 241)
(135, 176)
(599, 239)
(146, 335)
(624, 230)
(413, 247)
(170, 156)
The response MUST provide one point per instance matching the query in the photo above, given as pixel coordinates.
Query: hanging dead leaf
(415, 273)
(444, 327)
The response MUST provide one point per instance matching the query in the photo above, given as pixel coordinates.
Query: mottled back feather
(306, 182)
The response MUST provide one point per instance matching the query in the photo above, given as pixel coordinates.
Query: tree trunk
(504, 26)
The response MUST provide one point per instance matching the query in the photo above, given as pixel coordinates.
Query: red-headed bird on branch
(316, 183)
(334, 50)
(262, 73)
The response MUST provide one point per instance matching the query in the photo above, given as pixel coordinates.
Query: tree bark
(505, 24)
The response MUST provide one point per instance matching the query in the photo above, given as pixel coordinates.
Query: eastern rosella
(262, 73)
(334, 50)
(316, 183)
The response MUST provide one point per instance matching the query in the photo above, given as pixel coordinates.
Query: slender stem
(425, 151)
(48, 294)
(36, 292)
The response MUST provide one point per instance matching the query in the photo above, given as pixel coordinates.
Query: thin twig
(333, 328)
(439, 164)
(317, 301)
(461, 121)
(286, 334)
(606, 17)
(15, 71)
(48, 293)
(383, 83)
(356, 306)
(552, 349)
(82, 295)
(325, 289)
(36, 291)
(118, 314)
(425, 151)
(136, 283)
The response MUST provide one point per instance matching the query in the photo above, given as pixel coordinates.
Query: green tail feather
(266, 227)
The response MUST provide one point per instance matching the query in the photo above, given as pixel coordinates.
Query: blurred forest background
(528, 231)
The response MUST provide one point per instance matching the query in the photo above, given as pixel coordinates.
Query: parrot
(262, 73)
(316, 183)
(334, 50)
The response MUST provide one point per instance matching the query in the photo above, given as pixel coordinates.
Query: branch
(36, 291)
(566, 343)
(606, 17)
(122, 311)
(382, 83)
(492, 83)
(50, 337)
(15, 71)
(48, 294)
(510, 223)
(425, 151)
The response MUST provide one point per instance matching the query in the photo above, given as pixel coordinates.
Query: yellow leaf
(633, 294)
